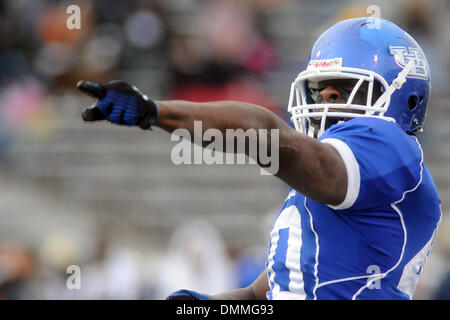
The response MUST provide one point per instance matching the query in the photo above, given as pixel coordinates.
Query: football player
(363, 210)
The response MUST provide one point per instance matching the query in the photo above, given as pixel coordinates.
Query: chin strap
(396, 84)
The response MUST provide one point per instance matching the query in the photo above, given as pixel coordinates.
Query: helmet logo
(402, 55)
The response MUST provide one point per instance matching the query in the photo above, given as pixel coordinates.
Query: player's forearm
(221, 115)
(305, 164)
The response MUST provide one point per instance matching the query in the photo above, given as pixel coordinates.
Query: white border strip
(353, 175)
(287, 295)
(316, 265)
(326, 283)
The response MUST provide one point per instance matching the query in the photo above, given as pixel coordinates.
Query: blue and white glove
(119, 103)
(187, 295)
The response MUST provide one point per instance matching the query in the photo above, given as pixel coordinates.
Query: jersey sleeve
(382, 162)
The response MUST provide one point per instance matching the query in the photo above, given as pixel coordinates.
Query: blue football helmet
(376, 55)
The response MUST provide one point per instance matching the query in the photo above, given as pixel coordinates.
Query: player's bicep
(312, 168)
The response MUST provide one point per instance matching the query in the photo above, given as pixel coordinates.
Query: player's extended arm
(312, 168)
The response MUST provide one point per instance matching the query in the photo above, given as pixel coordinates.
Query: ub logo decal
(403, 55)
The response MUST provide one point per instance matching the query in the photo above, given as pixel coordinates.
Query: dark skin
(312, 168)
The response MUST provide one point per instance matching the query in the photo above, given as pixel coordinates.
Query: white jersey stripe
(286, 295)
(411, 271)
(274, 237)
(289, 219)
(316, 265)
(353, 175)
(293, 257)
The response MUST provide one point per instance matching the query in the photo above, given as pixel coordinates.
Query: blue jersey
(374, 244)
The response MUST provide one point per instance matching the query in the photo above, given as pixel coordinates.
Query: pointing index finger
(93, 89)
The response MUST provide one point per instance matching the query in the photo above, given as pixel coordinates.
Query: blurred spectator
(441, 290)
(17, 267)
(196, 259)
(249, 264)
(26, 110)
(419, 19)
(144, 29)
(220, 62)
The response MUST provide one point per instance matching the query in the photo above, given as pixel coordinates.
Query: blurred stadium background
(108, 199)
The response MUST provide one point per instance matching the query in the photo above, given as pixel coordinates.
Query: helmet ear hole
(412, 102)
